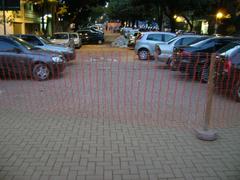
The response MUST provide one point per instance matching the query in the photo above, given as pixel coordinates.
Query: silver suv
(145, 45)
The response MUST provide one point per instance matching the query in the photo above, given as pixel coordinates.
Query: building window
(28, 7)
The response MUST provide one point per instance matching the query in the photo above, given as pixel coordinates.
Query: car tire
(41, 72)
(143, 54)
(236, 92)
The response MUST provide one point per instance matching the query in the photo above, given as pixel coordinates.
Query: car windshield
(24, 43)
(172, 40)
(201, 43)
(227, 47)
(74, 36)
(60, 36)
(199, 39)
(45, 40)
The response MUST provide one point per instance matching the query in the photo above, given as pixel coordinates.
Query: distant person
(106, 27)
(36, 31)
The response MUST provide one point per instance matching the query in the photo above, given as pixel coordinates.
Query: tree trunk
(189, 22)
(172, 24)
(133, 23)
(160, 17)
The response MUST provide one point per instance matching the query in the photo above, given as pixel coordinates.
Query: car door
(151, 41)
(12, 58)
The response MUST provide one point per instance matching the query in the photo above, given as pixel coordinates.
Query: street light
(219, 16)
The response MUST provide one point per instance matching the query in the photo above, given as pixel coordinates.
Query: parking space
(111, 116)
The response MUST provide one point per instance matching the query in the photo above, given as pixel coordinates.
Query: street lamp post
(219, 16)
(4, 16)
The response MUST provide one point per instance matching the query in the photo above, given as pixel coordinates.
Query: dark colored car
(91, 37)
(45, 44)
(195, 58)
(19, 57)
(227, 70)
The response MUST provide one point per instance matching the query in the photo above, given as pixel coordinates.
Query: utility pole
(4, 17)
(43, 14)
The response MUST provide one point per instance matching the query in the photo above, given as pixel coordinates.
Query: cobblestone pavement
(40, 146)
(73, 128)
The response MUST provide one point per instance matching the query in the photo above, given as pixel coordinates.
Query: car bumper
(163, 58)
(181, 65)
(57, 68)
(69, 56)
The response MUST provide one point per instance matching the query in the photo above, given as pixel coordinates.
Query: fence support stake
(207, 134)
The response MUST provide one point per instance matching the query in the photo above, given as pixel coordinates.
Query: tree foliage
(80, 11)
(155, 9)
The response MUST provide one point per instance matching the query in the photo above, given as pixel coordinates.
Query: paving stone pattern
(46, 147)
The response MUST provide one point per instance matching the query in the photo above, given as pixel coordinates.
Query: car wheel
(41, 72)
(236, 92)
(100, 41)
(143, 54)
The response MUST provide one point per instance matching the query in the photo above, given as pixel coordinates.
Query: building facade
(34, 17)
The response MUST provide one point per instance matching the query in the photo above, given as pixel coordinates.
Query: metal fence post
(207, 134)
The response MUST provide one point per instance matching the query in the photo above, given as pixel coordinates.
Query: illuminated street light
(219, 15)
(178, 18)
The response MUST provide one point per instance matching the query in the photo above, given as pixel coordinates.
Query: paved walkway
(43, 147)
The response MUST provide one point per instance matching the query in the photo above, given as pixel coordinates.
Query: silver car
(45, 44)
(63, 38)
(164, 50)
(145, 45)
(77, 40)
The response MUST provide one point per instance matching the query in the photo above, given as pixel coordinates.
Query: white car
(77, 40)
(145, 45)
(164, 50)
(63, 38)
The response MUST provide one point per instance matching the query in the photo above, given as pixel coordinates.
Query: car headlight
(57, 59)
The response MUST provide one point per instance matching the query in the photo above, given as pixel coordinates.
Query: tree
(79, 12)
(150, 9)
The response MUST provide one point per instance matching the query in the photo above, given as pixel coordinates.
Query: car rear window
(60, 36)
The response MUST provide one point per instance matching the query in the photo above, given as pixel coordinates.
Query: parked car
(164, 50)
(195, 58)
(89, 36)
(132, 37)
(92, 29)
(19, 57)
(63, 38)
(125, 31)
(227, 69)
(99, 27)
(77, 39)
(145, 45)
(45, 44)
